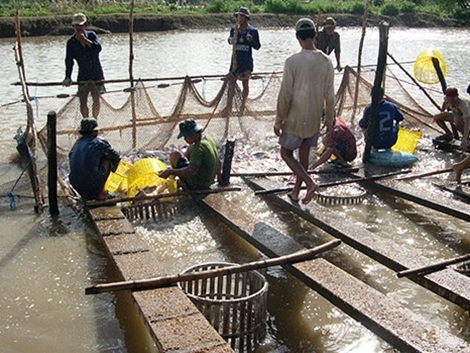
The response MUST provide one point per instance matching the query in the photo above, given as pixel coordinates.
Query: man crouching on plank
(307, 90)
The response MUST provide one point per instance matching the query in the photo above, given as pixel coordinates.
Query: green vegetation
(458, 9)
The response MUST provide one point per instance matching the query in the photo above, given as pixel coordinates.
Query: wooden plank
(424, 198)
(382, 315)
(174, 323)
(448, 283)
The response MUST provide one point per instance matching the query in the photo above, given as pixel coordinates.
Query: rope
(10, 195)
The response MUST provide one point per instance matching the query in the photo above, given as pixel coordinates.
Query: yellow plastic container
(407, 140)
(117, 181)
(144, 174)
(423, 68)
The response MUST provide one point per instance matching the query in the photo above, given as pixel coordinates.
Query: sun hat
(330, 21)
(188, 128)
(88, 125)
(79, 19)
(304, 24)
(243, 11)
(451, 94)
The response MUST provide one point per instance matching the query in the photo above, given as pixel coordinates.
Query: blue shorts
(293, 142)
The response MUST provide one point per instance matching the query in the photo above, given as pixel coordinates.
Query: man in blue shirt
(84, 47)
(247, 38)
(385, 134)
(91, 160)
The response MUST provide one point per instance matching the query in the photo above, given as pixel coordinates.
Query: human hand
(249, 37)
(339, 68)
(164, 173)
(463, 145)
(230, 40)
(277, 131)
(67, 82)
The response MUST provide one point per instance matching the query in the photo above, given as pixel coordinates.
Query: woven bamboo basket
(234, 304)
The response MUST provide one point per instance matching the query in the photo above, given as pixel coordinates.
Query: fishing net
(142, 120)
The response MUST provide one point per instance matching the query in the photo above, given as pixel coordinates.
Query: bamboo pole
(415, 82)
(113, 201)
(265, 174)
(333, 183)
(438, 266)
(30, 133)
(416, 176)
(359, 58)
(160, 282)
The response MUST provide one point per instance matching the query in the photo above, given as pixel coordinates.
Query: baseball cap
(330, 21)
(88, 125)
(304, 24)
(79, 19)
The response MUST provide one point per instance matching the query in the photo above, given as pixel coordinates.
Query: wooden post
(52, 162)
(30, 137)
(381, 62)
(227, 166)
(359, 58)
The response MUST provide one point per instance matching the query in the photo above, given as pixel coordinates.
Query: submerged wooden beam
(448, 283)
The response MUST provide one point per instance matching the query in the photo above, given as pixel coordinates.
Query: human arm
(252, 37)
(230, 37)
(181, 173)
(338, 52)
(323, 158)
(68, 64)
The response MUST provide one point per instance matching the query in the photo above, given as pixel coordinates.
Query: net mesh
(144, 119)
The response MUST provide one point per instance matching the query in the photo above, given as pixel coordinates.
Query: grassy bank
(458, 10)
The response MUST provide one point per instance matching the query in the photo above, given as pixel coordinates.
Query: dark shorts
(85, 88)
(293, 142)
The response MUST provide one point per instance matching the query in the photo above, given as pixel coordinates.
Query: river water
(45, 263)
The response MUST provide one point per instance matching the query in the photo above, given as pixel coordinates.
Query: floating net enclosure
(235, 304)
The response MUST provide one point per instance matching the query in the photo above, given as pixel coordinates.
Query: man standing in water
(307, 90)
(328, 41)
(84, 47)
(243, 38)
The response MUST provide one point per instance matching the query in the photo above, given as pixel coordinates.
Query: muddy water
(45, 264)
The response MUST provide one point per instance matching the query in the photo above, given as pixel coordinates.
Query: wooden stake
(160, 282)
(438, 266)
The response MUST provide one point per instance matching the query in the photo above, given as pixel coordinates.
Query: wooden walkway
(447, 283)
(383, 316)
(174, 323)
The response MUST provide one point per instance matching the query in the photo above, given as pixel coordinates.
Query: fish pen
(235, 304)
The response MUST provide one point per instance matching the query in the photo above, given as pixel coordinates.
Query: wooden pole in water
(416, 176)
(30, 133)
(381, 62)
(161, 282)
(359, 58)
(438, 266)
(52, 163)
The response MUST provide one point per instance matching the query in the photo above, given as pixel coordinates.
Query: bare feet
(458, 172)
(309, 195)
(293, 196)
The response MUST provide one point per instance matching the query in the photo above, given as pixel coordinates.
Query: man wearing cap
(454, 110)
(328, 41)
(91, 160)
(307, 91)
(84, 47)
(247, 38)
(199, 165)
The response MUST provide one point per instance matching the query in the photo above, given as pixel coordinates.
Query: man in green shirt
(199, 165)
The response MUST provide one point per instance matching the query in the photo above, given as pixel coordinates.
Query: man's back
(308, 80)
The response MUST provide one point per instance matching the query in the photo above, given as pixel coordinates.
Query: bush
(389, 9)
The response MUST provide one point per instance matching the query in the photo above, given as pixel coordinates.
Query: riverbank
(119, 23)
